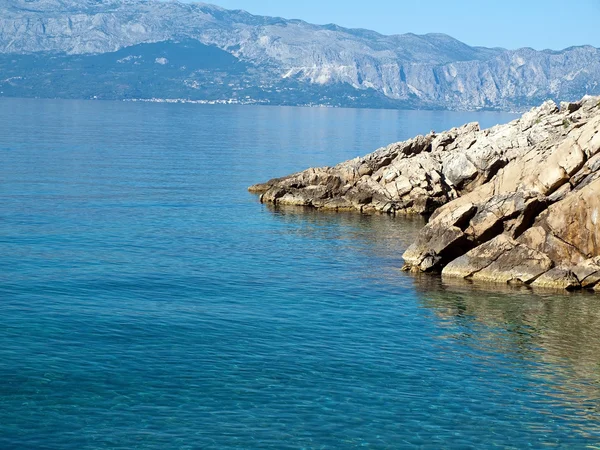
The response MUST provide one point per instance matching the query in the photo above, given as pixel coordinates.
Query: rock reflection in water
(553, 335)
(381, 238)
(549, 339)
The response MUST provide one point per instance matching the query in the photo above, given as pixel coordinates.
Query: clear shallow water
(148, 301)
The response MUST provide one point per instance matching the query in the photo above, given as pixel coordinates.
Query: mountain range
(155, 50)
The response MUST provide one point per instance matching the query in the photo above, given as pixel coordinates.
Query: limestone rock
(569, 107)
(441, 238)
(557, 278)
(424, 173)
(537, 219)
(457, 169)
(520, 264)
(479, 258)
(517, 203)
(588, 272)
(575, 221)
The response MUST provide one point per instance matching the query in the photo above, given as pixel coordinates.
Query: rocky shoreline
(516, 203)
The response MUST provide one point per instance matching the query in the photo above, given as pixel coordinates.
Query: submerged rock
(517, 203)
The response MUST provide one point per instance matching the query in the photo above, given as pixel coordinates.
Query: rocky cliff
(430, 71)
(517, 203)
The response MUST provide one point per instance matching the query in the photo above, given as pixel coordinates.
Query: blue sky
(508, 23)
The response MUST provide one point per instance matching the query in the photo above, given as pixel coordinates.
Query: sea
(148, 301)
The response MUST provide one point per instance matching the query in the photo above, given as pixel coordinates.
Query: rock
(537, 220)
(566, 159)
(557, 278)
(575, 221)
(422, 174)
(517, 203)
(588, 272)
(520, 264)
(457, 169)
(440, 240)
(569, 107)
(479, 258)
(536, 115)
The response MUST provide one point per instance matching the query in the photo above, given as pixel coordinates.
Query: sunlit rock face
(434, 70)
(535, 222)
(517, 203)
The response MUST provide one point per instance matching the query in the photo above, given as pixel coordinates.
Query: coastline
(507, 204)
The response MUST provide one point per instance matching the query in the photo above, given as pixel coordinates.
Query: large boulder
(536, 222)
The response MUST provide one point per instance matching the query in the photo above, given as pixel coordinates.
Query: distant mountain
(144, 49)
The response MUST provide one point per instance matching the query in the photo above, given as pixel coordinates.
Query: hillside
(272, 60)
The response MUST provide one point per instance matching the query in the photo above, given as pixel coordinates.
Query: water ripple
(148, 301)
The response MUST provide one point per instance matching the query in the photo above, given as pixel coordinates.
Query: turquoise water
(148, 301)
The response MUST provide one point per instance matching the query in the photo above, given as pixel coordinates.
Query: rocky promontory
(516, 203)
